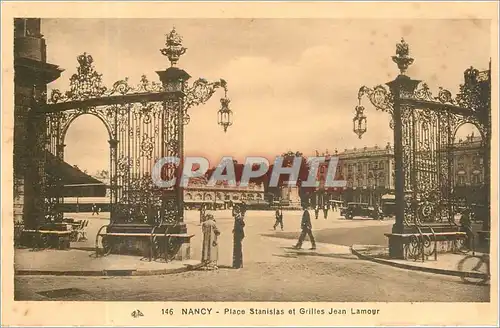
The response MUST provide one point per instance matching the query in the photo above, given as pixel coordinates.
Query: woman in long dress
(210, 251)
(238, 235)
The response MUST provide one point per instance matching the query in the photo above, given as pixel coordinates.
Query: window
(381, 180)
(461, 179)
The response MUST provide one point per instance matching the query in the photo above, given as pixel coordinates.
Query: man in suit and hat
(306, 227)
(238, 235)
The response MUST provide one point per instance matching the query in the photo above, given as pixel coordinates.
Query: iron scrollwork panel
(139, 127)
(426, 162)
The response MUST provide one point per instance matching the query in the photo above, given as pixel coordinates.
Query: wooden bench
(50, 238)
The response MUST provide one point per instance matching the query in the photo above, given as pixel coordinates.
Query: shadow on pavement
(294, 253)
(287, 255)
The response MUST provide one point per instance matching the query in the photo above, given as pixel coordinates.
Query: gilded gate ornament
(173, 47)
(402, 58)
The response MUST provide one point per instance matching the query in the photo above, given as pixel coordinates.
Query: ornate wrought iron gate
(424, 129)
(144, 123)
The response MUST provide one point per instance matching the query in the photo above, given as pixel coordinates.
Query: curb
(455, 273)
(106, 273)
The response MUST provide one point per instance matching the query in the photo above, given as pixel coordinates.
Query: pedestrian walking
(238, 235)
(94, 209)
(316, 212)
(306, 227)
(279, 219)
(243, 209)
(325, 211)
(210, 249)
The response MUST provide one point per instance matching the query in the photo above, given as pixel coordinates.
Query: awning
(74, 181)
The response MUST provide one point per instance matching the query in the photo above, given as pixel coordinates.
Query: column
(401, 86)
(174, 80)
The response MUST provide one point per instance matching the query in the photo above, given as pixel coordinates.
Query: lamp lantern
(359, 121)
(225, 115)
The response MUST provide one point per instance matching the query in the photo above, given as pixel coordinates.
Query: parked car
(360, 209)
(388, 205)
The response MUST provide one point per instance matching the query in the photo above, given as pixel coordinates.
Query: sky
(293, 83)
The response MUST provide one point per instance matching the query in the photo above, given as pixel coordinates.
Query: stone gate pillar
(32, 73)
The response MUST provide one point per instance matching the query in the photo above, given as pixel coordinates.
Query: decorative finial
(402, 58)
(470, 76)
(173, 47)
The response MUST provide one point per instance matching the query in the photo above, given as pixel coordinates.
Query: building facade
(368, 171)
(468, 170)
(222, 195)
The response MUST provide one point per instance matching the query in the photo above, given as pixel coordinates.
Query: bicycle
(476, 269)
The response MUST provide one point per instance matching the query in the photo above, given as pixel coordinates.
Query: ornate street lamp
(225, 114)
(359, 121)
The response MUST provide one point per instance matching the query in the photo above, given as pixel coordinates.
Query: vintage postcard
(249, 164)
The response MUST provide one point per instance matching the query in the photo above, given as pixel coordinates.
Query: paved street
(271, 271)
(342, 279)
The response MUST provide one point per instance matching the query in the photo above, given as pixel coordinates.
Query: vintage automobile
(388, 205)
(360, 209)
